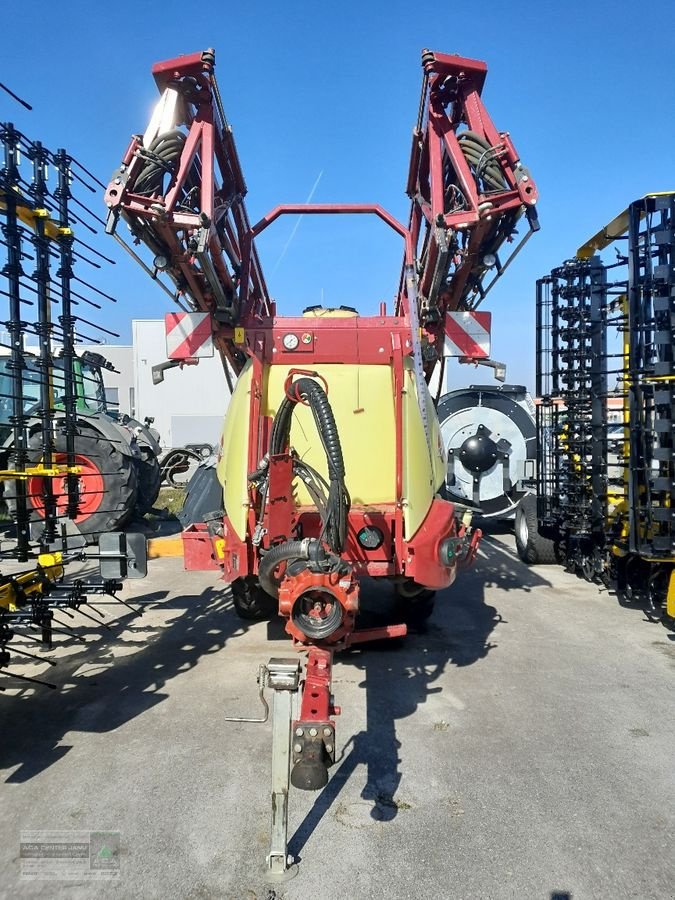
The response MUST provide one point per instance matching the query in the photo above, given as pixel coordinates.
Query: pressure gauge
(290, 341)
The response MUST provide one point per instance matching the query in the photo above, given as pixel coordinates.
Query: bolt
(329, 748)
(299, 732)
(327, 732)
(313, 732)
(297, 748)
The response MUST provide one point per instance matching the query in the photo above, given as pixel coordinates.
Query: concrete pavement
(522, 747)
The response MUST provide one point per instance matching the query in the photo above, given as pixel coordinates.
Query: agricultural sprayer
(331, 455)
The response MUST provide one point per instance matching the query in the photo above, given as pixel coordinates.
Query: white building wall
(188, 407)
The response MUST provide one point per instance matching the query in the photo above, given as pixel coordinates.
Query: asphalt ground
(522, 747)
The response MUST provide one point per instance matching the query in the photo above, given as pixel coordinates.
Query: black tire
(414, 603)
(532, 548)
(250, 600)
(116, 471)
(149, 481)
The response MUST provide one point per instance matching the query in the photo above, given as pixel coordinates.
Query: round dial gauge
(290, 341)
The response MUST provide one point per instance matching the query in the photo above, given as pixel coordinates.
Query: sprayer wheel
(251, 602)
(414, 603)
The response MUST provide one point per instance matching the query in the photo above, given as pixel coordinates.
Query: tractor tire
(107, 484)
(149, 481)
(414, 604)
(250, 600)
(532, 548)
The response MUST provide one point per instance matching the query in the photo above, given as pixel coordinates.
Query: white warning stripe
(467, 334)
(188, 335)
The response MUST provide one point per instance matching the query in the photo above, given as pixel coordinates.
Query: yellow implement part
(15, 588)
(38, 471)
(47, 560)
(165, 546)
(612, 231)
(27, 214)
(670, 596)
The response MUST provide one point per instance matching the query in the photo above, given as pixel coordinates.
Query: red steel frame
(226, 265)
(452, 241)
(212, 274)
(212, 253)
(213, 263)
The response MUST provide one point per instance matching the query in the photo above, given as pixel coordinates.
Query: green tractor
(118, 456)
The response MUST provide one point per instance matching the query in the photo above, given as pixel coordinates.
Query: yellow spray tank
(398, 525)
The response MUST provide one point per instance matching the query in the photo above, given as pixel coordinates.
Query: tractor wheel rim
(90, 489)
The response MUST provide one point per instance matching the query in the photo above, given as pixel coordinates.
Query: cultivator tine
(67, 322)
(137, 610)
(16, 97)
(609, 499)
(92, 608)
(44, 331)
(78, 609)
(37, 225)
(651, 369)
(15, 326)
(572, 422)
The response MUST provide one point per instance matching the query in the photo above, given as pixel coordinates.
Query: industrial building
(184, 412)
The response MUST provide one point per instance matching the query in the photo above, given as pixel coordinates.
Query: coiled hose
(334, 518)
(312, 392)
(160, 158)
(289, 550)
(481, 157)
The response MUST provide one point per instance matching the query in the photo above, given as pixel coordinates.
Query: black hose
(160, 158)
(311, 391)
(334, 520)
(281, 553)
(480, 156)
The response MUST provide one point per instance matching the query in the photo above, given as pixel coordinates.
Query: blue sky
(587, 91)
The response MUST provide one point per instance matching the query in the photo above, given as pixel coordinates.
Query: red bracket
(288, 384)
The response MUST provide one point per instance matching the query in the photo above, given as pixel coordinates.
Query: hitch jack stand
(283, 676)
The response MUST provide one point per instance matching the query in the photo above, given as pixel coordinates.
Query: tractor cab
(31, 393)
(88, 386)
(88, 383)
